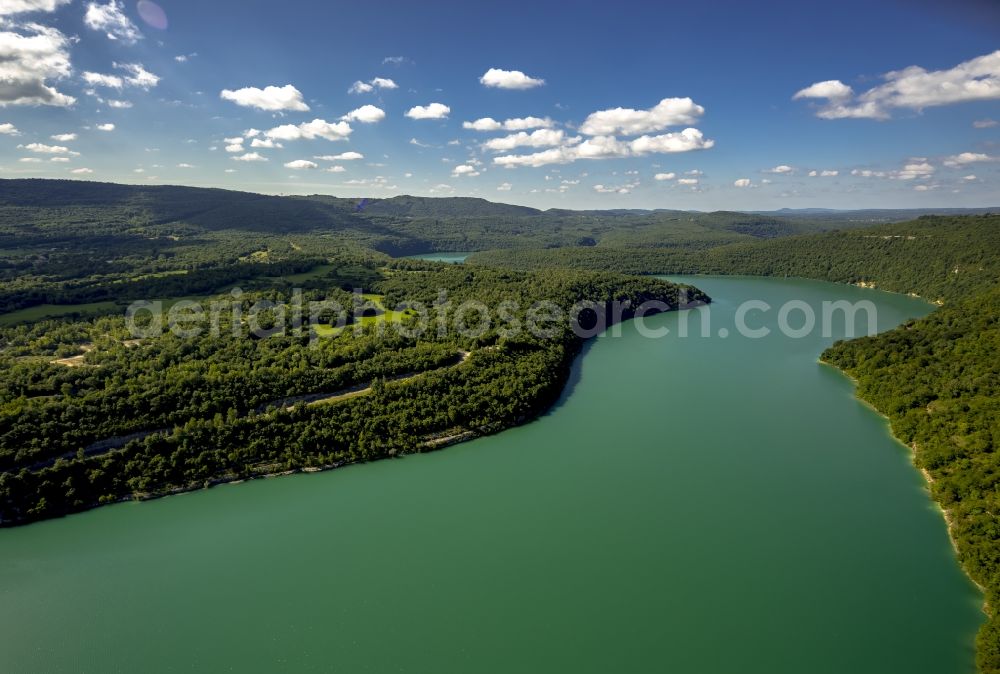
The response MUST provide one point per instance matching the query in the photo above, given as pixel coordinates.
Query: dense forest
(89, 414)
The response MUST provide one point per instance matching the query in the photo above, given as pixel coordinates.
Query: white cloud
(120, 105)
(825, 89)
(504, 187)
(10, 7)
(63, 137)
(9, 129)
(523, 123)
(106, 127)
(741, 182)
(607, 147)
(360, 87)
(612, 189)
(967, 158)
(30, 56)
(317, 128)
(823, 174)
(969, 177)
(538, 138)
(184, 58)
(101, 80)
(687, 181)
(335, 169)
(418, 143)
(629, 122)
(269, 98)
(483, 124)
(912, 88)
(925, 188)
(366, 114)
(185, 166)
(252, 133)
(868, 173)
(30, 160)
(235, 147)
(464, 170)
(783, 168)
(250, 156)
(915, 169)
(81, 170)
(111, 19)
(41, 148)
(985, 123)
(343, 156)
(515, 124)
(266, 143)
(432, 111)
(665, 176)
(394, 60)
(301, 164)
(509, 79)
(138, 76)
(62, 160)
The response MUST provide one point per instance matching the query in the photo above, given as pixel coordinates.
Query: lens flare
(152, 14)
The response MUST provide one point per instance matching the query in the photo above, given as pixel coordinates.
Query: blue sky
(710, 105)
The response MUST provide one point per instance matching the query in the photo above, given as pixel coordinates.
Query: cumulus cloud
(250, 157)
(366, 114)
(8, 129)
(119, 104)
(823, 174)
(607, 147)
(30, 56)
(868, 173)
(970, 178)
(138, 76)
(63, 137)
(81, 170)
(912, 88)
(111, 20)
(41, 148)
(102, 80)
(464, 170)
(269, 98)
(915, 169)
(266, 143)
(665, 176)
(782, 168)
(509, 79)
(335, 169)
(985, 123)
(360, 87)
(106, 127)
(538, 138)
(515, 124)
(504, 187)
(317, 128)
(687, 181)
(741, 182)
(967, 158)
(10, 7)
(343, 156)
(629, 122)
(432, 111)
(301, 164)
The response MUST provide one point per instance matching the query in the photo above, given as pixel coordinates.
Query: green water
(454, 258)
(697, 505)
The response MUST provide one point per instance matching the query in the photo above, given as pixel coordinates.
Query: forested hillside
(89, 414)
